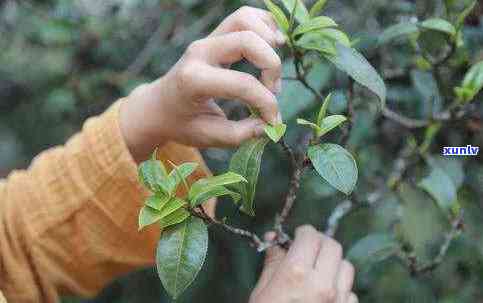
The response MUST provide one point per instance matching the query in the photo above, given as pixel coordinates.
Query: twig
(298, 166)
(452, 112)
(442, 116)
(456, 229)
(337, 214)
(291, 194)
(290, 153)
(252, 237)
(403, 120)
(401, 165)
(347, 207)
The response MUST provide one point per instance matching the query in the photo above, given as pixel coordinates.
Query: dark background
(62, 61)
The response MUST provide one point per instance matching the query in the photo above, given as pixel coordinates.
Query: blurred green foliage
(62, 61)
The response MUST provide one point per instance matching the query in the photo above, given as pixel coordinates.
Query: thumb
(273, 258)
(218, 131)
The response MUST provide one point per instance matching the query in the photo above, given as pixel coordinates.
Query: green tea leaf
(180, 173)
(214, 192)
(174, 218)
(397, 31)
(464, 94)
(148, 216)
(275, 132)
(157, 201)
(317, 8)
(356, 66)
(373, 248)
(301, 13)
(291, 21)
(452, 166)
(314, 24)
(153, 175)
(171, 206)
(314, 126)
(465, 13)
(335, 164)
(321, 45)
(431, 131)
(333, 35)
(441, 187)
(329, 123)
(278, 15)
(438, 24)
(246, 162)
(472, 83)
(203, 188)
(421, 220)
(429, 91)
(323, 109)
(180, 255)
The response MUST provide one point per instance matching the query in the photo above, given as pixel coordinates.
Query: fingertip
(270, 236)
(274, 254)
(304, 229)
(259, 130)
(249, 128)
(280, 37)
(353, 298)
(272, 113)
(278, 86)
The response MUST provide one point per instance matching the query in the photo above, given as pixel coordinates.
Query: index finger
(305, 248)
(252, 19)
(233, 47)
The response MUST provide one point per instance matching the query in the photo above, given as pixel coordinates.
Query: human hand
(312, 271)
(180, 105)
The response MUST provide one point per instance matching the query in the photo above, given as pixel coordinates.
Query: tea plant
(184, 239)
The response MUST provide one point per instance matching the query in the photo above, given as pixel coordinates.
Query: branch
(445, 115)
(298, 166)
(294, 185)
(456, 229)
(342, 210)
(401, 165)
(290, 153)
(403, 120)
(252, 237)
(291, 194)
(347, 207)
(452, 112)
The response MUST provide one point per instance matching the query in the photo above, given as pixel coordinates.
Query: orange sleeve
(68, 224)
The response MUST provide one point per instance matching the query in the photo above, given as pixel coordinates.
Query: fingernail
(259, 130)
(280, 37)
(278, 87)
